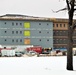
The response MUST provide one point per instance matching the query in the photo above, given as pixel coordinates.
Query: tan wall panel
(26, 41)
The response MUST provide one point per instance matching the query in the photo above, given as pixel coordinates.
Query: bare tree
(71, 8)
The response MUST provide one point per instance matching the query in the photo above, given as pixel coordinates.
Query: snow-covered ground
(35, 66)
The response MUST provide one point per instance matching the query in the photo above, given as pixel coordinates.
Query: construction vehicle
(39, 49)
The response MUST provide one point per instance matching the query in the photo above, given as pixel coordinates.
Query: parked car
(18, 54)
(32, 53)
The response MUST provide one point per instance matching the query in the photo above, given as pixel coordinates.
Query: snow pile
(35, 66)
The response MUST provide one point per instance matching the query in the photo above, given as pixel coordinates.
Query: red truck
(39, 49)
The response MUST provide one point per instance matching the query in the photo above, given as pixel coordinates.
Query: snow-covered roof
(22, 17)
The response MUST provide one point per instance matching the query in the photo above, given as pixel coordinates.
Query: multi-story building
(29, 30)
(26, 30)
(60, 34)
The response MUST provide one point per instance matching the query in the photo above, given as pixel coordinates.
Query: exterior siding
(44, 43)
(13, 32)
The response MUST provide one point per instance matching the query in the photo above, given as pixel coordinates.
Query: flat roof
(26, 17)
(22, 17)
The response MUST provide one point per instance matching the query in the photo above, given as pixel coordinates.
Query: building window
(54, 33)
(5, 23)
(17, 40)
(60, 25)
(64, 46)
(64, 25)
(47, 24)
(47, 39)
(39, 31)
(5, 40)
(57, 33)
(57, 41)
(47, 32)
(20, 23)
(56, 25)
(39, 39)
(60, 32)
(16, 23)
(75, 32)
(61, 47)
(74, 41)
(26, 25)
(16, 32)
(39, 23)
(5, 31)
(63, 33)
(26, 33)
(12, 32)
(57, 46)
(12, 24)
(13, 40)
(64, 41)
(54, 41)
(60, 41)
(20, 32)
(20, 40)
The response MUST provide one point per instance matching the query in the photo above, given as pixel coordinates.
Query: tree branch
(60, 10)
(68, 5)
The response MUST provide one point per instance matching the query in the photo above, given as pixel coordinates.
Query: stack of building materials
(8, 53)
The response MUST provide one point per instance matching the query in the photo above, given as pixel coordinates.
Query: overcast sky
(40, 8)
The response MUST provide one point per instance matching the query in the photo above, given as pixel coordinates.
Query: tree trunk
(69, 51)
(70, 42)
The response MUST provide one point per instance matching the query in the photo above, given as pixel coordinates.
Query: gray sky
(40, 8)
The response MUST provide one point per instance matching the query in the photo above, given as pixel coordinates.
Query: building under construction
(60, 33)
(26, 30)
